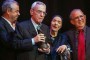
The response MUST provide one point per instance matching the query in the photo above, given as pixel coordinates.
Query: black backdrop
(61, 7)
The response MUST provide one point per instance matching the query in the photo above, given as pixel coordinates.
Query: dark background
(61, 7)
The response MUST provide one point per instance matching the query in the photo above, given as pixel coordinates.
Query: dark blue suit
(61, 39)
(6, 37)
(28, 51)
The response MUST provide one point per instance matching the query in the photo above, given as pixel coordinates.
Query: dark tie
(81, 45)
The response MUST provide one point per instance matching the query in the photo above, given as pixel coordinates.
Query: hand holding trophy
(42, 44)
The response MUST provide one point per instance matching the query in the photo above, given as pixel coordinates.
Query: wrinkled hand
(45, 50)
(61, 48)
(39, 38)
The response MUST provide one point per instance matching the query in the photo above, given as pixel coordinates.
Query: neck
(53, 33)
(13, 23)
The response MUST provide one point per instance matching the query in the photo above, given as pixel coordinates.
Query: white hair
(37, 2)
(8, 4)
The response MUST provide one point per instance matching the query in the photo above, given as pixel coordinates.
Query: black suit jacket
(6, 37)
(73, 41)
(27, 51)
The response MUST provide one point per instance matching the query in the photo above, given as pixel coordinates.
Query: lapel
(87, 37)
(7, 25)
(44, 29)
(74, 42)
(31, 29)
(72, 37)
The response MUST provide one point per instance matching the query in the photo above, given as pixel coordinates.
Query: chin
(80, 28)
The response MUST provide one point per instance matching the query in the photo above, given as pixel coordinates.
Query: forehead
(15, 6)
(77, 13)
(40, 7)
(57, 18)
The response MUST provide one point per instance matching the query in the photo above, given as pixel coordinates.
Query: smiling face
(78, 19)
(14, 12)
(38, 13)
(56, 23)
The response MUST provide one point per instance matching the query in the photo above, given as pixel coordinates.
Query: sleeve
(20, 42)
(5, 37)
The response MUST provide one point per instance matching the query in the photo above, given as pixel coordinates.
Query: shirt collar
(8, 22)
(35, 25)
(84, 29)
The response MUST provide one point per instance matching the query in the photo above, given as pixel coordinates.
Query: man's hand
(45, 50)
(39, 38)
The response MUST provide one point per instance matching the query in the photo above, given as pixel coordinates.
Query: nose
(42, 14)
(56, 23)
(79, 18)
(18, 13)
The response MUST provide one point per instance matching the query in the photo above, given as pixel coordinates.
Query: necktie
(81, 45)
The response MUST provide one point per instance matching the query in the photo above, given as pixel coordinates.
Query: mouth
(81, 22)
(55, 26)
(41, 18)
(17, 17)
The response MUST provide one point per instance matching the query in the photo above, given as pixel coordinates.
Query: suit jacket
(6, 37)
(27, 51)
(73, 41)
(61, 39)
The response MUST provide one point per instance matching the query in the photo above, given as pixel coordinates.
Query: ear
(85, 17)
(31, 11)
(72, 22)
(8, 11)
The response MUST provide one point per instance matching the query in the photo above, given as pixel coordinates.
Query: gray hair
(8, 5)
(74, 10)
(37, 3)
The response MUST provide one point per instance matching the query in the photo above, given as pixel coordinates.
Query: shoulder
(71, 31)
(63, 35)
(87, 27)
(2, 22)
(24, 22)
(45, 26)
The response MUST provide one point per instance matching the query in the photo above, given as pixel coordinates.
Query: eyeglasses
(76, 18)
(40, 12)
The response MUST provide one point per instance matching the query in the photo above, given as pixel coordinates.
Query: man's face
(14, 13)
(78, 19)
(38, 13)
(56, 24)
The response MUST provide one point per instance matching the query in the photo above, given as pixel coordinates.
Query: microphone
(42, 44)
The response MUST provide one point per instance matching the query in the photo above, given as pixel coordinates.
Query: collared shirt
(77, 32)
(35, 26)
(76, 35)
(9, 23)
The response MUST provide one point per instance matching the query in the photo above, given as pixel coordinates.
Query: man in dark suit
(8, 20)
(28, 38)
(80, 49)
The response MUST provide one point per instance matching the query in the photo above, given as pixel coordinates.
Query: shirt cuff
(33, 42)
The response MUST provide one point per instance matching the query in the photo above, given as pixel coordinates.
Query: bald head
(75, 11)
(78, 19)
